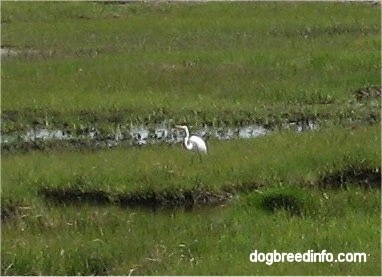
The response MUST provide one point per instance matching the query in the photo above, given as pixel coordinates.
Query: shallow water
(11, 52)
(143, 135)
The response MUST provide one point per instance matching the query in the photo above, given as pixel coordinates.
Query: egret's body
(193, 143)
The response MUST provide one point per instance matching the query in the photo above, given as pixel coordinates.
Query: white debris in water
(224, 134)
(45, 134)
(118, 135)
(10, 52)
(142, 135)
(302, 126)
(252, 131)
(4, 52)
(161, 133)
(93, 133)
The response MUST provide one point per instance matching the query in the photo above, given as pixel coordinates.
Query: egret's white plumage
(193, 143)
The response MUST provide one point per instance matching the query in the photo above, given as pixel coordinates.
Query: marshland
(96, 181)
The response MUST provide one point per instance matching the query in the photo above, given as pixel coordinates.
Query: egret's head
(184, 127)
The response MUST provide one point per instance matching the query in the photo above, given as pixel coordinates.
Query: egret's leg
(200, 157)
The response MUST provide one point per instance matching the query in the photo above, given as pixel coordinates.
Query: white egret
(193, 143)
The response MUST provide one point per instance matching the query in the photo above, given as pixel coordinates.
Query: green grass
(111, 240)
(289, 157)
(264, 58)
(90, 64)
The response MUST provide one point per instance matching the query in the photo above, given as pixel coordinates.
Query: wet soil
(363, 177)
(150, 199)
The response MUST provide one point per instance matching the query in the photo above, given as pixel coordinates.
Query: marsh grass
(88, 64)
(172, 57)
(111, 240)
(284, 157)
(290, 212)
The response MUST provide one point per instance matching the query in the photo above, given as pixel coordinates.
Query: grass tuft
(294, 201)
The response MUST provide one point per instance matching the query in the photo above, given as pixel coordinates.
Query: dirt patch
(364, 93)
(11, 209)
(8, 211)
(123, 2)
(170, 198)
(173, 198)
(362, 176)
(147, 199)
(74, 196)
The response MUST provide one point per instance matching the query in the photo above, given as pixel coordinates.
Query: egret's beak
(178, 126)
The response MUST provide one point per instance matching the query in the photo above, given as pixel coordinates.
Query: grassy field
(158, 210)
(109, 238)
(171, 60)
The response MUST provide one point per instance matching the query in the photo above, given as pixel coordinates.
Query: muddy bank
(361, 176)
(293, 199)
(150, 199)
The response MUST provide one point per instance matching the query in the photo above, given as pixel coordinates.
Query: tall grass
(149, 56)
(110, 240)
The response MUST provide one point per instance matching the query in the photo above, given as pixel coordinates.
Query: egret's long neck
(187, 134)
(186, 139)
